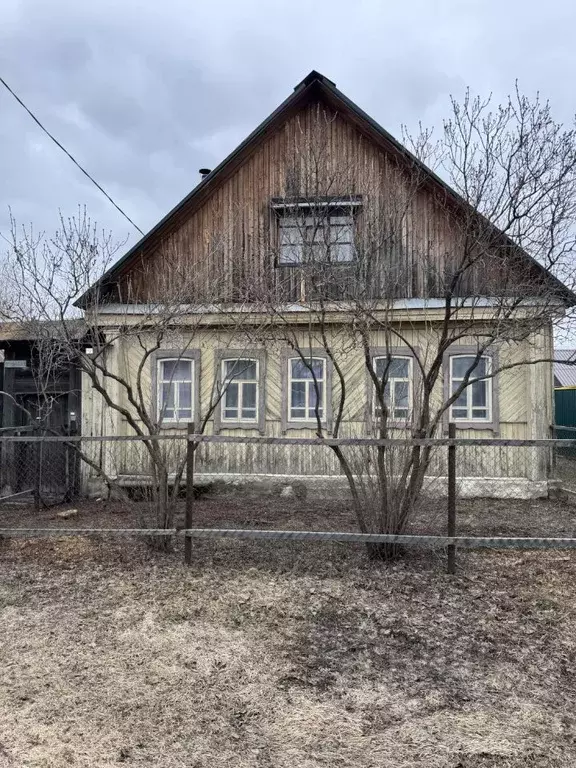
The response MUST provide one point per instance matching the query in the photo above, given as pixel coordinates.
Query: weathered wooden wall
(524, 395)
(408, 234)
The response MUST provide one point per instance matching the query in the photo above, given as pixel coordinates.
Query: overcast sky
(145, 93)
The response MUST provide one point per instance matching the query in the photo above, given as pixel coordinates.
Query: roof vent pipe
(204, 172)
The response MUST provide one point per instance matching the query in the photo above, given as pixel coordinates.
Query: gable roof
(313, 85)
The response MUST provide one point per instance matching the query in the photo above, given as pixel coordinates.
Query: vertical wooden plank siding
(228, 241)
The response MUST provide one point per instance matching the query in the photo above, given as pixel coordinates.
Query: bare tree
(422, 269)
(115, 343)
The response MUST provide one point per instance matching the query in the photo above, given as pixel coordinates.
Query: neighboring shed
(565, 392)
(565, 368)
(40, 391)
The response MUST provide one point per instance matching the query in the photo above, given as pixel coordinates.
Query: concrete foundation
(325, 486)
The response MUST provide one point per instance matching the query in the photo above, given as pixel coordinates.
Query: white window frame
(226, 382)
(309, 382)
(467, 391)
(410, 381)
(161, 380)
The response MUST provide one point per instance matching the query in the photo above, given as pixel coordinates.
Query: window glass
(460, 366)
(310, 369)
(306, 389)
(249, 391)
(240, 396)
(299, 394)
(401, 391)
(240, 369)
(176, 370)
(474, 402)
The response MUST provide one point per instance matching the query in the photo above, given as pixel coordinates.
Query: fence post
(452, 498)
(72, 460)
(190, 449)
(37, 452)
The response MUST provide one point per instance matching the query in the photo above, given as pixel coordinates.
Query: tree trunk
(396, 504)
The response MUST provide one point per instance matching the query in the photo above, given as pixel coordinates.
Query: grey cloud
(144, 93)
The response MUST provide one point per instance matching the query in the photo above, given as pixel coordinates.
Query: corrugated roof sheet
(564, 373)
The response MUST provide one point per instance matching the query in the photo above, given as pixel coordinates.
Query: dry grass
(476, 517)
(283, 655)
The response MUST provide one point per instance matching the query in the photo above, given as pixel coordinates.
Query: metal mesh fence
(564, 458)
(36, 469)
(503, 488)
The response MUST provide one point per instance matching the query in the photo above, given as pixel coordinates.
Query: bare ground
(476, 517)
(281, 655)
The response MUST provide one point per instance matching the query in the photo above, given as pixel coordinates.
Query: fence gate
(45, 470)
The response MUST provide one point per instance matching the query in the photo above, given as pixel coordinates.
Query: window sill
(305, 264)
(392, 425)
(304, 425)
(255, 426)
(483, 425)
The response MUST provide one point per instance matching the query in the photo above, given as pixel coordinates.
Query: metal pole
(190, 448)
(452, 498)
(37, 448)
(72, 460)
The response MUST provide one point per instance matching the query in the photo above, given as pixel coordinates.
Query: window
(175, 389)
(324, 238)
(240, 398)
(306, 388)
(396, 373)
(474, 403)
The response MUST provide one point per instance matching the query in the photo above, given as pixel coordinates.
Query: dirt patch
(276, 655)
(476, 517)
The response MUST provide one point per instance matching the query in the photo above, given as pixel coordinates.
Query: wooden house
(320, 182)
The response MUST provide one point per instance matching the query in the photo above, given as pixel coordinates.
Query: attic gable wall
(226, 249)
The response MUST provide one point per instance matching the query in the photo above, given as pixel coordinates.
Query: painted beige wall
(525, 404)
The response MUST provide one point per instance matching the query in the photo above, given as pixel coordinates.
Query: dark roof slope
(313, 85)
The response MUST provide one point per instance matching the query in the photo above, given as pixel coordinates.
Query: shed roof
(34, 330)
(564, 373)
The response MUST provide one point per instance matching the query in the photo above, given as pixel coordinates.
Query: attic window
(316, 231)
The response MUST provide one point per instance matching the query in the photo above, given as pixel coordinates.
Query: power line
(76, 163)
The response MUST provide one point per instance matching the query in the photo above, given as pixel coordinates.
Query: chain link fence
(511, 488)
(34, 468)
(564, 457)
